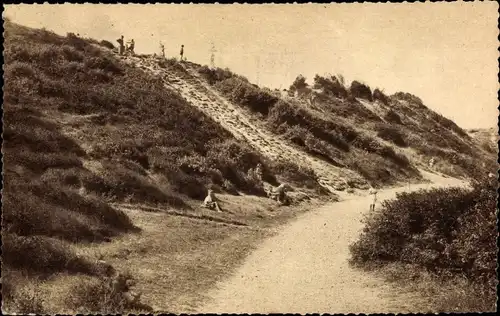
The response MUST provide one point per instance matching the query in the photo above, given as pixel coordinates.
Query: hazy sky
(445, 53)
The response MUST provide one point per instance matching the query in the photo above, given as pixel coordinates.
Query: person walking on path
(373, 192)
(182, 52)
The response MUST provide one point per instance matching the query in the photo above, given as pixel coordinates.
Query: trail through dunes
(305, 268)
(201, 95)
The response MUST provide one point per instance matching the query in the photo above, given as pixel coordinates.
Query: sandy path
(305, 268)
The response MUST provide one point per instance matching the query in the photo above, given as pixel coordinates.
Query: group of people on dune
(128, 47)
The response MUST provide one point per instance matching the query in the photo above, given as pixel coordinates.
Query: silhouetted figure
(182, 52)
(162, 47)
(130, 47)
(121, 48)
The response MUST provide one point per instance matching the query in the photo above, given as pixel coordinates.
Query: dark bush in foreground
(104, 295)
(449, 232)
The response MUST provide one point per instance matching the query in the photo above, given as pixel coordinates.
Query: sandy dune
(304, 269)
(201, 95)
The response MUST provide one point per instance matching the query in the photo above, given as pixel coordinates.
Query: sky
(445, 53)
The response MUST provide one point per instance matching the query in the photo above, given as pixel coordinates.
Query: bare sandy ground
(304, 269)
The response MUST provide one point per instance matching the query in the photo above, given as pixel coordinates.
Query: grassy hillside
(487, 138)
(384, 138)
(83, 130)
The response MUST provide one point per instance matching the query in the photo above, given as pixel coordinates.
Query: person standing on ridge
(132, 46)
(162, 48)
(182, 51)
(121, 49)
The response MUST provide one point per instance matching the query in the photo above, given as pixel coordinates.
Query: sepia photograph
(250, 158)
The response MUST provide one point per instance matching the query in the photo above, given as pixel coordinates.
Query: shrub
(412, 99)
(392, 117)
(328, 131)
(119, 182)
(445, 231)
(107, 44)
(104, 295)
(40, 162)
(64, 213)
(75, 41)
(297, 174)
(23, 299)
(104, 63)
(247, 95)
(391, 134)
(231, 158)
(373, 146)
(65, 177)
(379, 95)
(323, 150)
(330, 86)
(187, 184)
(19, 69)
(360, 90)
(448, 124)
(298, 86)
(72, 54)
(41, 255)
(371, 167)
(217, 74)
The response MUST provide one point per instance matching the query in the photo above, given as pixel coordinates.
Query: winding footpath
(304, 269)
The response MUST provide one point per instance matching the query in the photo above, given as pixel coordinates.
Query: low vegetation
(334, 141)
(450, 234)
(83, 130)
(361, 90)
(330, 86)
